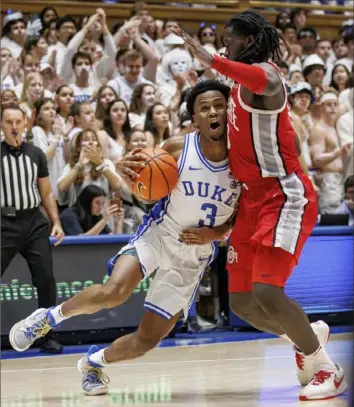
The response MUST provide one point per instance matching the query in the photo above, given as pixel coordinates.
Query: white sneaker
(325, 384)
(25, 332)
(94, 381)
(305, 370)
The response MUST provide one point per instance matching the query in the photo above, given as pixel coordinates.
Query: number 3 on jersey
(210, 210)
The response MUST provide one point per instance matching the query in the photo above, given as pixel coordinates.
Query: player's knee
(266, 296)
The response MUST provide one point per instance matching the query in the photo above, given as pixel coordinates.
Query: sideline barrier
(322, 282)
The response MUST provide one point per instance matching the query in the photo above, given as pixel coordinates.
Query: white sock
(98, 358)
(57, 314)
(321, 358)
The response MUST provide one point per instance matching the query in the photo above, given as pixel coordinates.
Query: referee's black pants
(28, 234)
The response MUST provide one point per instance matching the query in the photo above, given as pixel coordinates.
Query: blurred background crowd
(93, 93)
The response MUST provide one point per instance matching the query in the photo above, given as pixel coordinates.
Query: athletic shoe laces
(38, 330)
(320, 377)
(96, 375)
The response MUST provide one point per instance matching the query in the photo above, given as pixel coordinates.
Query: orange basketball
(158, 177)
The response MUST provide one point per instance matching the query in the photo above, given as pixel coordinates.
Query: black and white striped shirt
(20, 171)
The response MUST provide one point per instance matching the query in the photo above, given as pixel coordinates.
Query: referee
(24, 186)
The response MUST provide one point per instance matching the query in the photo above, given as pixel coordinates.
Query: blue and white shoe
(25, 332)
(94, 381)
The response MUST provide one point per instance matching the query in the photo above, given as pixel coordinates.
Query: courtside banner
(321, 283)
(79, 262)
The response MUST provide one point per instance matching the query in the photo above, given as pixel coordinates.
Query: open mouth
(214, 125)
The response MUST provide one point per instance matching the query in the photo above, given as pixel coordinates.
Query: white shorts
(179, 268)
(331, 192)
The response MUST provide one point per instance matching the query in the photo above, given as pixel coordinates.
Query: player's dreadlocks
(266, 43)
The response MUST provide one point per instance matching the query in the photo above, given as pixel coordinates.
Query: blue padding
(124, 239)
(100, 239)
(333, 231)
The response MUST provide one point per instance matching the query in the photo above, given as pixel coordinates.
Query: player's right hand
(130, 164)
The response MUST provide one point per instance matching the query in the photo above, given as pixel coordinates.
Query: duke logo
(232, 256)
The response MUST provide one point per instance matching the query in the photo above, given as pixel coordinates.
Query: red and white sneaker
(325, 384)
(305, 370)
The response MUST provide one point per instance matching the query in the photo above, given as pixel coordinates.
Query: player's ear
(194, 121)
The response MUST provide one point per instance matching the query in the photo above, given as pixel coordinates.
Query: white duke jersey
(206, 193)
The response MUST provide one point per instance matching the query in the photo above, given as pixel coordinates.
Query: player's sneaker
(94, 381)
(305, 370)
(326, 384)
(25, 332)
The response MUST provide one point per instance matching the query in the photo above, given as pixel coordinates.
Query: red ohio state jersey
(261, 143)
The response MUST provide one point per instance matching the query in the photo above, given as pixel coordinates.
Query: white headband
(328, 96)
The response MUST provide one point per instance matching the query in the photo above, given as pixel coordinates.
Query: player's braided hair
(266, 43)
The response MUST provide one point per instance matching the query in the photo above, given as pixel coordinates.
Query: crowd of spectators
(91, 94)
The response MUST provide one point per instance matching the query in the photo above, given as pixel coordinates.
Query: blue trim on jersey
(157, 310)
(112, 262)
(156, 214)
(212, 257)
(211, 167)
(184, 154)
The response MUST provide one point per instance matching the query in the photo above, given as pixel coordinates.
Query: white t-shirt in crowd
(7, 83)
(60, 49)
(8, 43)
(75, 189)
(57, 163)
(115, 150)
(124, 89)
(74, 132)
(82, 94)
(137, 120)
(344, 97)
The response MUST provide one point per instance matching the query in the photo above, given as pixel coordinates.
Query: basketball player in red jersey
(278, 206)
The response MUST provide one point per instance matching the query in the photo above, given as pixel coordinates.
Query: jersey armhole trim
(182, 159)
(260, 111)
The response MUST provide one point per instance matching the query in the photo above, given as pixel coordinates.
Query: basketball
(159, 176)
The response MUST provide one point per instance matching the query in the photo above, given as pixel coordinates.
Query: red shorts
(274, 220)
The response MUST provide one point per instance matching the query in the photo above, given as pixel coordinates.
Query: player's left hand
(58, 233)
(205, 58)
(198, 236)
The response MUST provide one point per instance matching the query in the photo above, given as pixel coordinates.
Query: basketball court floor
(257, 373)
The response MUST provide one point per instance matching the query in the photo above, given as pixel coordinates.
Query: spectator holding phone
(85, 216)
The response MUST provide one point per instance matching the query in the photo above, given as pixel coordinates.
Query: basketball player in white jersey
(177, 239)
